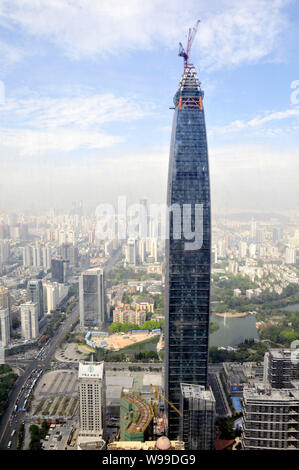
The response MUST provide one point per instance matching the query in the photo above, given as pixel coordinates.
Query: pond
(233, 331)
(292, 307)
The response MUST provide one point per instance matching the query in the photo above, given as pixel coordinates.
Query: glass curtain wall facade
(91, 298)
(187, 296)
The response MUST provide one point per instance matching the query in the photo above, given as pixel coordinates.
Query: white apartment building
(29, 321)
(5, 326)
(92, 398)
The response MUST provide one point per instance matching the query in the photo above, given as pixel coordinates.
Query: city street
(11, 420)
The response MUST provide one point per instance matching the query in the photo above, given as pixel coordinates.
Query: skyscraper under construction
(187, 263)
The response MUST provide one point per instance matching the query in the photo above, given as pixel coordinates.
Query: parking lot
(57, 437)
(56, 395)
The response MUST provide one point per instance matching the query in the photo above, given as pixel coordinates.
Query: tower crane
(186, 53)
(157, 392)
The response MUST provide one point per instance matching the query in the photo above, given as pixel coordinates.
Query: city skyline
(130, 318)
(103, 100)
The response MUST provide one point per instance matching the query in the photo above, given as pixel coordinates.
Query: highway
(9, 420)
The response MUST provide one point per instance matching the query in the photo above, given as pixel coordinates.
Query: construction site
(118, 341)
(142, 422)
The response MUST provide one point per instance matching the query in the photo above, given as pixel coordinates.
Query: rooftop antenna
(186, 53)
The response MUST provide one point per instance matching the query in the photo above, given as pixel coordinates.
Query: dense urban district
(78, 313)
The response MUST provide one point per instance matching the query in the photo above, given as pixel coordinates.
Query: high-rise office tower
(5, 326)
(29, 320)
(35, 295)
(187, 300)
(70, 253)
(198, 408)
(59, 269)
(92, 298)
(92, 397)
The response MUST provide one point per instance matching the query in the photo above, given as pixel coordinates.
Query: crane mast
(191, 35)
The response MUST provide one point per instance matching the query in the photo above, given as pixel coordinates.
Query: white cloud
(231, 32)
(36, 125)
(83, 111)
(10, 54)
(260, 123)
(26, 142)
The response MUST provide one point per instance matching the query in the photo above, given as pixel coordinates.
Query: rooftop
(95, 270)
(91, 370)
(280, 353)
(196, 391)
(147, 445)
(261, 391)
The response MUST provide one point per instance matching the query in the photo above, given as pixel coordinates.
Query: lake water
(292, 307)
(233, 331)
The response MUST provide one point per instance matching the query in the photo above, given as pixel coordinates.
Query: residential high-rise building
(35, 295)
(243, 249)
(92, 398)
(270, 418)
(4, 298)
(281, 367)
(5, 326)
(46, 256)
(276, 234)
(154, 249)
(29, 321)
(187, 300)
(4, 251)
(141, 250)
(198, 408)
(131, 251)
(5, 301)
(27, 256)
(51, 296)
(92, 298)
(290, 255)
(253, 230)
(123, 315)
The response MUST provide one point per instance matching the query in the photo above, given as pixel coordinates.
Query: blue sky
(88, 86)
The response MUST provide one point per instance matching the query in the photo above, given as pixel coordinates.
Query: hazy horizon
(84, 114)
